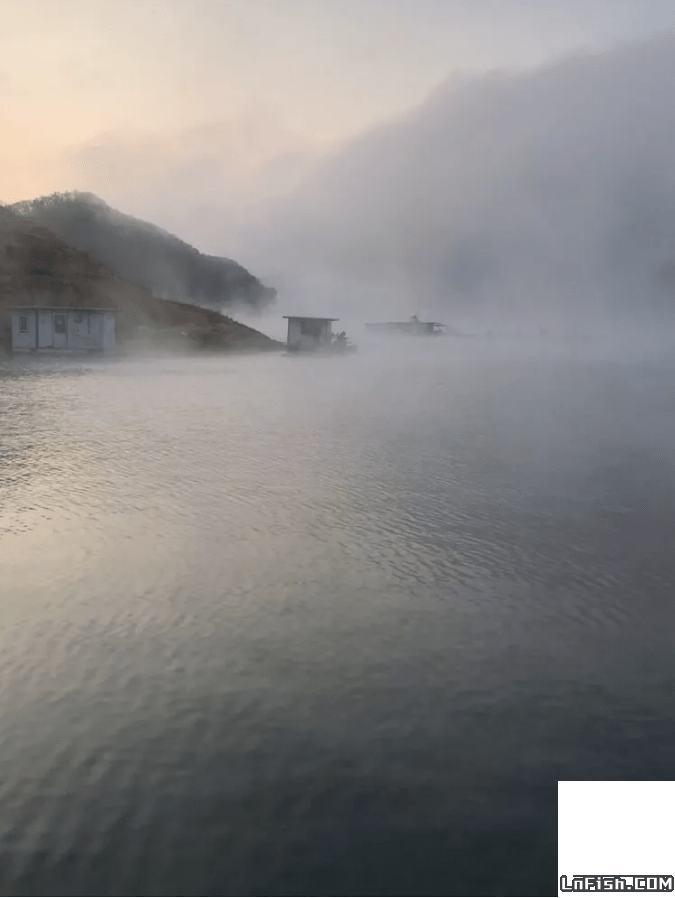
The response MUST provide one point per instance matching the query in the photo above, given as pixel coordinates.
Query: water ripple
(269, 626)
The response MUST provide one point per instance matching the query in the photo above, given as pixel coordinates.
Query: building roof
(402, 323)
(308, 318)
(39, 308)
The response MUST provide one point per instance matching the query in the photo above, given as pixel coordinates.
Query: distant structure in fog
(309, 333)
(35, 328)
(413, 326)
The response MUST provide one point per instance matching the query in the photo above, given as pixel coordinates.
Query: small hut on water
(46, 328)
(307, 334)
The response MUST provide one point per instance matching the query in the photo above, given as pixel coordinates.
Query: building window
(59, 324)
(312, 329)
(79, 317)
(23, 324)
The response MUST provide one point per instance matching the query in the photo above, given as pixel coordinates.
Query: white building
(36, 328)
(309, 333)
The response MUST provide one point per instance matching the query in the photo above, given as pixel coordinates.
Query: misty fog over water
(537, 195)
(278, 625)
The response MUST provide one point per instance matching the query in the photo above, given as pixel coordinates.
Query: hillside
(37, 268)
(145, 255)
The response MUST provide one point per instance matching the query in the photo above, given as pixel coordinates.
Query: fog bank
(544, 196)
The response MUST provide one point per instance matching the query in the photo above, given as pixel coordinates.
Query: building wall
(83, 329)
(24, 340)
(45, 330)
(96, 328)
(78, 333)
(59, 337)
(109, 330)
(294, 332)
(306, 341)
(326, 332)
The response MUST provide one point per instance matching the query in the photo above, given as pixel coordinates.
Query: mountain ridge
(37, 268)
(144, 254)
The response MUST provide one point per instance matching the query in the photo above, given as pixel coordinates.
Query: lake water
(300, 626)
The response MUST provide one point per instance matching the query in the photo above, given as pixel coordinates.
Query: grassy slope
(36, 268)
(145, 255)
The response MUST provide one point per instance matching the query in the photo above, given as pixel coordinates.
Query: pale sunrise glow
(231, 100)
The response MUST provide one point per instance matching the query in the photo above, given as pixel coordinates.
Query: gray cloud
(198, 182)
(551, 190)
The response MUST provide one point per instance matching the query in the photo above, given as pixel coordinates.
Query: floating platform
(332, 349)
(314, 335)
(413, 327)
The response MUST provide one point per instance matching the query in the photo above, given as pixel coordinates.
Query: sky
(539, 195)
(127, 98)
(214, 118)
